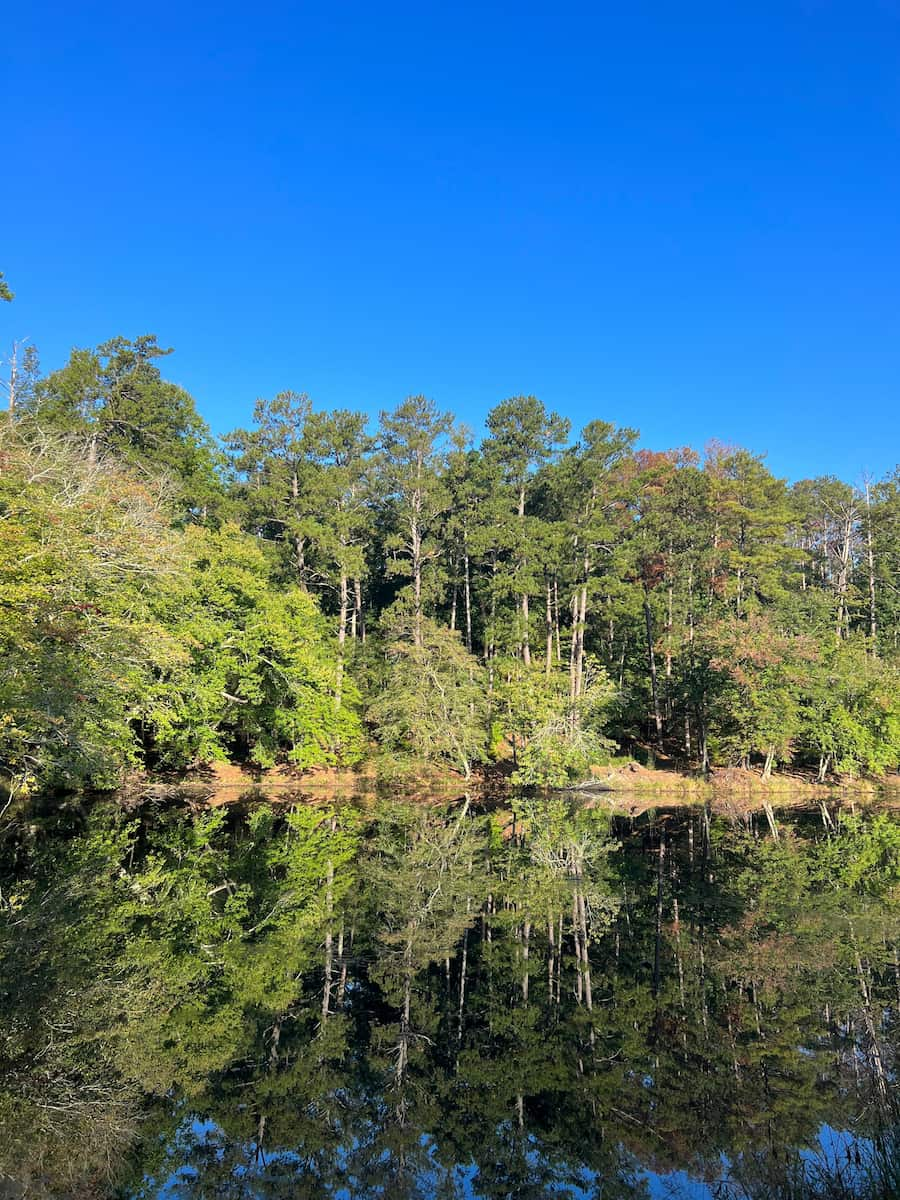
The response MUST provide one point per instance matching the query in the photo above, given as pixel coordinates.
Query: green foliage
(273, 464)
(115, 399)
(124, 635)
(851, 714)
(415, 443)
(731, 618)
(864, 856)
(256, 672)
(81, 547)
(555, 738)
(757, 676)
(432, 699)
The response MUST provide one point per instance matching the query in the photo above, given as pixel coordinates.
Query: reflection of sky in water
(836, 1151)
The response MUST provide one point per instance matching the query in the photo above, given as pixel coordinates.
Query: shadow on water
(450, 1000)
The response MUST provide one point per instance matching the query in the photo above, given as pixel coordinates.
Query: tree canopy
(319, 585)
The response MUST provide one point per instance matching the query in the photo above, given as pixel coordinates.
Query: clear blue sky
(684, 217)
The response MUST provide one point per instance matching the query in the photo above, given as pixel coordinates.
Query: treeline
(316, 589)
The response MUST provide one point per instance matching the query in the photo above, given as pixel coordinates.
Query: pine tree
(415, 443)
(523, 436)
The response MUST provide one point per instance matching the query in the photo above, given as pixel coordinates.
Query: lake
(525, 998)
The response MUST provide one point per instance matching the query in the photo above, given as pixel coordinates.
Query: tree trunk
(342, 638)
(549, 664)
(843, 578)
(657, 954)
(669, 653)
(579, 619)
(585, 956)
(551, 954)
(403, 1048)
(556, 619)
(416, 544)
(13, 378)
(359, 624)
(654, 685)
(576, 933)
(491, 646)
(704, 740)
(559, 943)
(525, 943)
(678, 952)
(878, 1069)
(468, 600)
(329, 943)
(526, 649)
(870, 558)
(342, 978)
(463, 968)
(770, 817)
(573, 650)
(770, 759)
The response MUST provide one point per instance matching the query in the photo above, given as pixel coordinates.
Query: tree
(830, 532)
(594, 490)
(23, 377)
(414, 444)
(563, 596)
(883, 524)
(432, 701)
(128, 640)
(751, 515)
(338, 489)
(522, 437)
(272, 461)
(83, 545)
(424, 887)
(255, 675)
(115, 398)
(851, 710)
(756, 679)
(555, 739)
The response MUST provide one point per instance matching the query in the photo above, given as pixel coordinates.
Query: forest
(494, 992)
(318, 589)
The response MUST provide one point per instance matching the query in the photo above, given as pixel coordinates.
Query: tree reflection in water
(450, 1000)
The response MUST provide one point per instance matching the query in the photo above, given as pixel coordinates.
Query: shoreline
(623, 787)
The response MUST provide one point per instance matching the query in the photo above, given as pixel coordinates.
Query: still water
(524, 999)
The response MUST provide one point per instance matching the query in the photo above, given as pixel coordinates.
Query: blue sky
(681, 217)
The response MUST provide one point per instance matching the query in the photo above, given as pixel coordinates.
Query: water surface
(373, 999)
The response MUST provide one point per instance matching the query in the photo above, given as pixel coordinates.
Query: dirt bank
(627, 788)
(216, 784)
